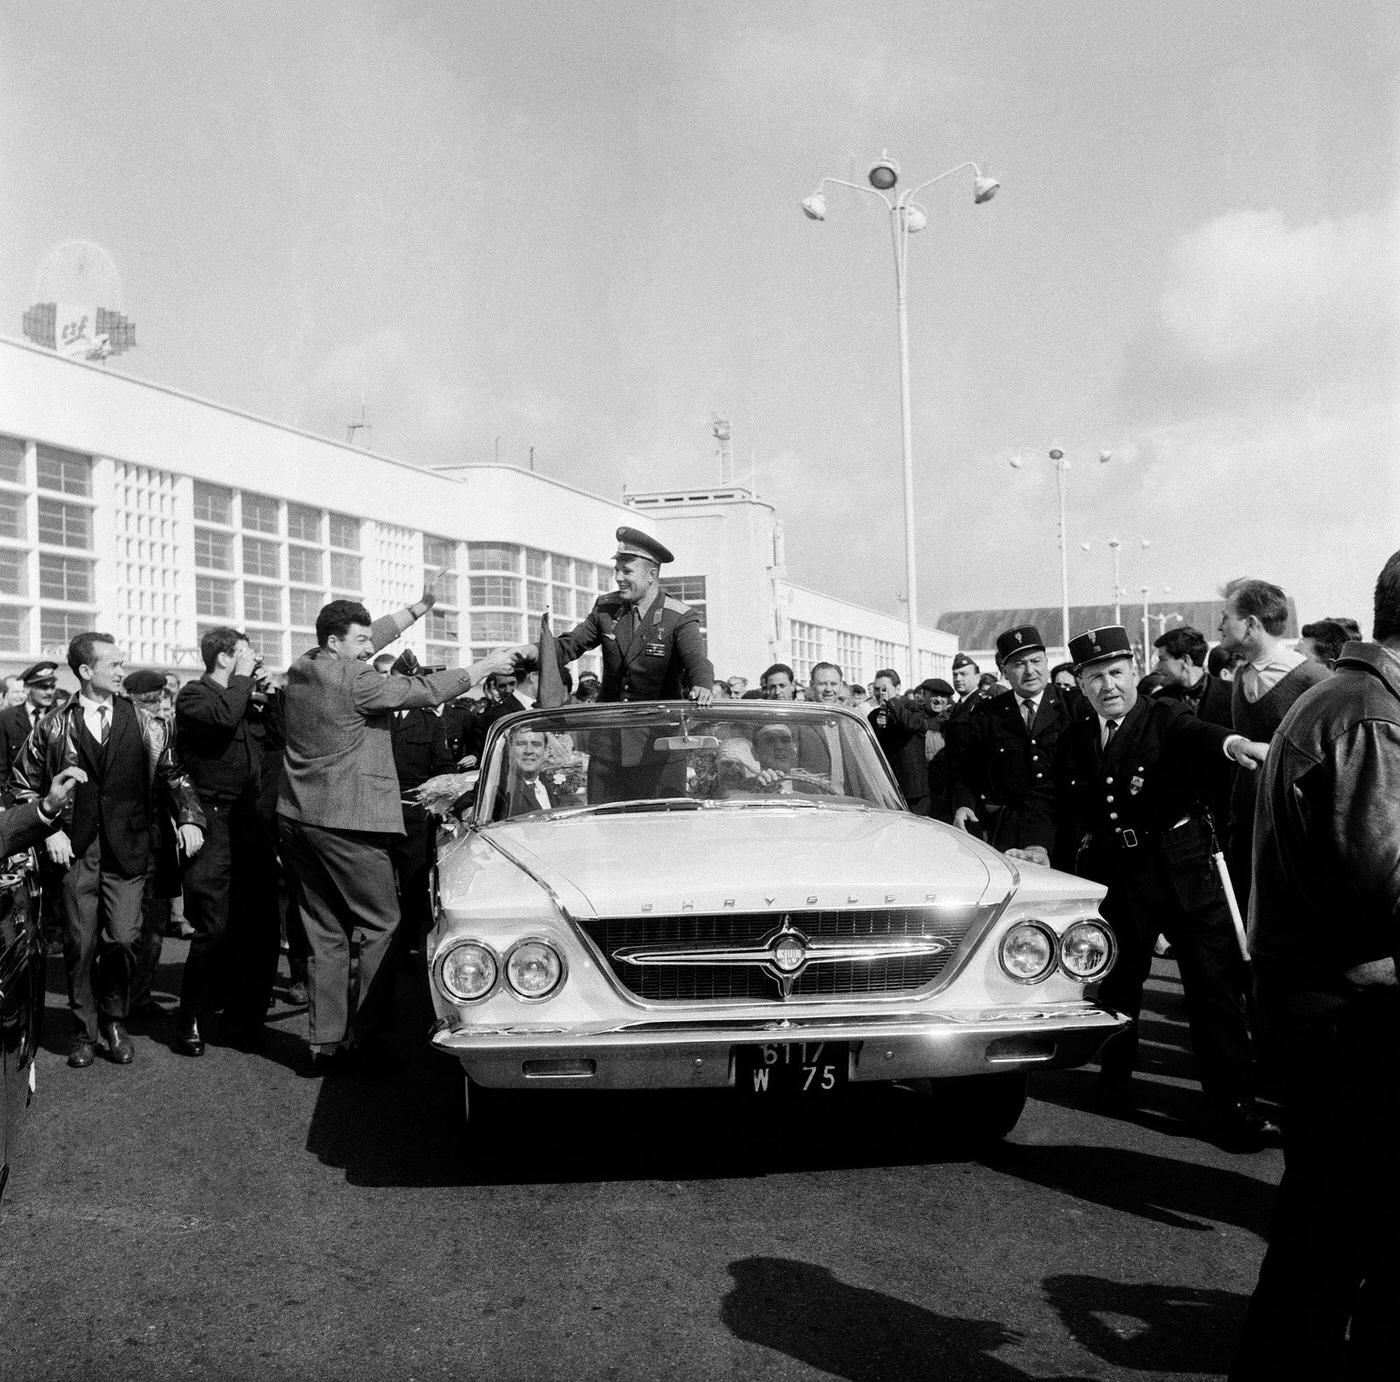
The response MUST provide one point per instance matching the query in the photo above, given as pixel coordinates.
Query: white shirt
(94, 713)
(1262, 675)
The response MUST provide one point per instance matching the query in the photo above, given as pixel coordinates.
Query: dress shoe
(337, 1062)
(1244, 1127)
(187, 1038)
(120, 1051)
(81, 1053)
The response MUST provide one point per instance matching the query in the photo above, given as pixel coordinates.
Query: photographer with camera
(230, 886)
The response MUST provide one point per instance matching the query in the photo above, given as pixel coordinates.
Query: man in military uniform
(653, 650)
(1131, 780)
(1002, 769)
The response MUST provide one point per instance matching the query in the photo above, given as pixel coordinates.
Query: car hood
(748, 860)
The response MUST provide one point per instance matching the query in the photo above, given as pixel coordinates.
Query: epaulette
(674, 605)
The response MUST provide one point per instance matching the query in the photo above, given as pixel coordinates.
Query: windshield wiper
(619, 808)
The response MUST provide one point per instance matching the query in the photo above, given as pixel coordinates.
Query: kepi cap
(1022, 640)
(40, 674)
(1099, 645)
(632, 542)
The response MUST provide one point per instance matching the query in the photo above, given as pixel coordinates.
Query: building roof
(978, 628)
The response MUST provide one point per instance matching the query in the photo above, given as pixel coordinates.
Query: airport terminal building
(151, 514)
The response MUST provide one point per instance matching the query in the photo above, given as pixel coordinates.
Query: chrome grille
(702, 983)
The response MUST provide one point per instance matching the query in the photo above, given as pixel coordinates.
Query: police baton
(1232, 902)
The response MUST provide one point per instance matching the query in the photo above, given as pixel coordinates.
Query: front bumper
(699, 1054)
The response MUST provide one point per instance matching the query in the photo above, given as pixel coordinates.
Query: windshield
(673, 756)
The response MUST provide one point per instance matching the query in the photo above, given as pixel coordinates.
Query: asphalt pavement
(223, 1218)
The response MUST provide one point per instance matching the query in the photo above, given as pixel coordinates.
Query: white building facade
(153, 515)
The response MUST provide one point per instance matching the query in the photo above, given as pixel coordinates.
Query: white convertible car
(656, 895)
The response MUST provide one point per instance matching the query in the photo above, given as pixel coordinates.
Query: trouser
(1149, 892)
(155, 925)
(1326, 1302)
(345, 886)
(292, 926)
(101, 926)
(231, 901)
(413, 853)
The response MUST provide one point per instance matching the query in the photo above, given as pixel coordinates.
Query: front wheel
(978, 1108)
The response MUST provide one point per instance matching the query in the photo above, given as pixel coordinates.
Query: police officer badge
(1134, 785)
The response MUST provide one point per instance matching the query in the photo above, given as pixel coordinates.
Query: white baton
(1240, 938)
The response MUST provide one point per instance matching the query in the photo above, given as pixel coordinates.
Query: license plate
(793, 1068)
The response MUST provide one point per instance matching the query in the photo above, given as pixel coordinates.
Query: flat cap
(1099, 645)
(142, 680)
(1022, 640)
(632, 542)
(39, 674)
(962, 660)
(935, 686)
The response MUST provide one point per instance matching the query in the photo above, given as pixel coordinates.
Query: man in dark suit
(110, 827)
(339, 807)
(231, 887)
(1002, 768)
(653, 650)
(1131, 782)
(900, 724)
(525, 789)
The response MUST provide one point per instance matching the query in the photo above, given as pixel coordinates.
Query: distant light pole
(906, 217)
(1115, 546)
(1057, 459)
(1146, 620)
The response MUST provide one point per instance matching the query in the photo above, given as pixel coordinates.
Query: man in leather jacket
(111, 825)
(1325, 931)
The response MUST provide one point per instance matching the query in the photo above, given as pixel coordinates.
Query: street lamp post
(1147, 624)
(906, 217)
(1115, 546)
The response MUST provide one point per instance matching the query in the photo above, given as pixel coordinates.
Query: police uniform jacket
(659, 658)
(1136, 805)
(1001, 764)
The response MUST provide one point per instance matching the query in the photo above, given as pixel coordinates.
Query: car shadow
(810, 1315)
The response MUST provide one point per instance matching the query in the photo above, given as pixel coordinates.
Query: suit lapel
(638, 640)
(1048, 711)
(1129, 728)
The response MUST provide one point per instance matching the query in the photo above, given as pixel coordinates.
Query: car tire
(978, 1109)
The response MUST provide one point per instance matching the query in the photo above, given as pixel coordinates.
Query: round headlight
(1087, 951)
(1027, 952)
(534, 969)
(468, 971)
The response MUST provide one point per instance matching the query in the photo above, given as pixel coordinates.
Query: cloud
(1246, 283)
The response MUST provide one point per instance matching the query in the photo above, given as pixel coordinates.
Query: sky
(575, 227)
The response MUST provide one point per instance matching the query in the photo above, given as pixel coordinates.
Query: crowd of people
(1249, 780)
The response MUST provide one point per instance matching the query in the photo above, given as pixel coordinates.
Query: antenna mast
(721, 432)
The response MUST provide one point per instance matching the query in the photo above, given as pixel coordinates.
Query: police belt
(1140, 839)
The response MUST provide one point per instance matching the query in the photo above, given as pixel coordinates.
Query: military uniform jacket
(1123, 808)
(659, 659)
(999, 763)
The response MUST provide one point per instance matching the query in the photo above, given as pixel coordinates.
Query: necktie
(1109, 730)
(1028, 713)
(102, 711)
(541, 795)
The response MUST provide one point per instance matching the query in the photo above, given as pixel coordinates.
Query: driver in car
(775, 748)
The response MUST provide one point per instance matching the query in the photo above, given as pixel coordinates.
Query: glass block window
(11, 460)
(496, 628)
(304, 565)
(583, 603)
(604, 580)
(14, 572)
(59, 627)
(848, 656)
(64, 525)
(64, 471)
(65, 578)
(689, 590)
(495, 590)
(441, 624)
(267, 643)
(442, 655)
(536, 564)
(261, 558)
(12, 515)
(213, 598)
(491, 556)
(303, 523)
(447, 589)
(262, 603)
(305, 606)
(439, 551)
(212, 503)
(345, 571)
(561, 601)
(563, 569)
(806, 648)
(536, 595)
(213, 549)
(345, 532)
(260, 513)
(11, 629)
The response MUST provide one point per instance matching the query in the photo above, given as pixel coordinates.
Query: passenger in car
(775, 748)
(525, 789)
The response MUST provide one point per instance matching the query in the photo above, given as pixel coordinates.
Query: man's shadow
(806, 1313)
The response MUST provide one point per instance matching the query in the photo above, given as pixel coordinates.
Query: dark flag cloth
(550, 692)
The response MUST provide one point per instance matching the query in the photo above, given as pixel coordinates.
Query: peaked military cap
(39, 674)
(1022, 640)
(1099, 645)
(631, 542)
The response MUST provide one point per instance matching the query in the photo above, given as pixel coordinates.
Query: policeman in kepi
(1131, 780)
(1002, 766)
(652, 646)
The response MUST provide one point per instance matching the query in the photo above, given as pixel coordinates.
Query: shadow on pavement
(1147, 1326)
(806, 1313)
